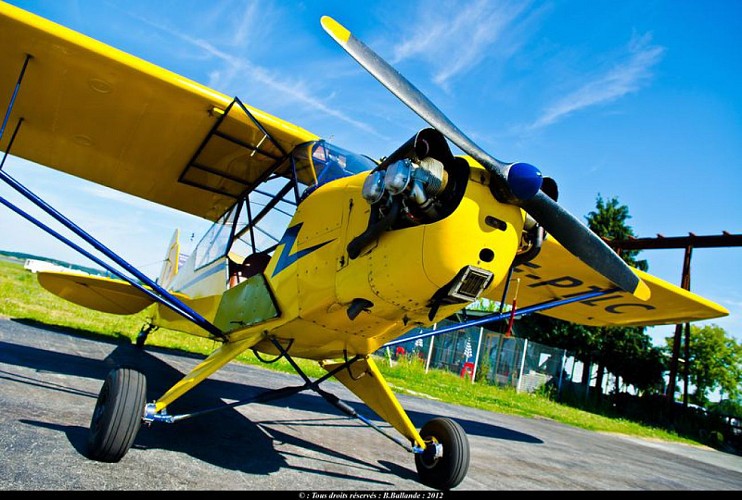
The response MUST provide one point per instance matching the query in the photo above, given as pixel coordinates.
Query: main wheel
(117, 415)
(449, 469)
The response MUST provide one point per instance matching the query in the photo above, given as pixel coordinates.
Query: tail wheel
(445, 462)
(117, 415)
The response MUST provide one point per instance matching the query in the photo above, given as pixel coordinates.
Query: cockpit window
(329, 162)
(316, 163)
(216, 241)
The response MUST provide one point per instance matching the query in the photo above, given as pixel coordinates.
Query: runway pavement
(50, 378)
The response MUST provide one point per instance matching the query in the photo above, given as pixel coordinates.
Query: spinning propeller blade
(515, 183)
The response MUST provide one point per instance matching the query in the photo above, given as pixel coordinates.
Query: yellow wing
(98, 113)
(557, 274)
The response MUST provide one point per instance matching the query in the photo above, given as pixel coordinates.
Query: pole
(677, 340)
(522, 364)
(476, 356)
(686, 366)
(512, 309)
(561, 371)
(430, 350)
(498, 353)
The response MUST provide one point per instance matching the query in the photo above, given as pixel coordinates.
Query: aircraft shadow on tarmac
(227, 439)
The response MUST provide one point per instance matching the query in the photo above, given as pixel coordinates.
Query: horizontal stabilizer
(95, 292)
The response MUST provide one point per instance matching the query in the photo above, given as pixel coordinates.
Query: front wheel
(445, 462)
(117, 415)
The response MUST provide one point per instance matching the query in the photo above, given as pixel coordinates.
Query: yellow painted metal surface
(210, 279)
(246, 304)
(403, 269)
(95, 292)
(335, 29)
(368, 384)
(399, 273)
(95, 112)
(555, 273)
(205, 306)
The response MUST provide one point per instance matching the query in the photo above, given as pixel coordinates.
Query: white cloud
(454, 38)
(622, 79)
(236, 71)
(251, 18)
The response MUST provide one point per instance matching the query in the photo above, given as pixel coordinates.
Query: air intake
(469, 284)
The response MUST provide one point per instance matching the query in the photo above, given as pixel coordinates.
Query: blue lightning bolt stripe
(287, 258)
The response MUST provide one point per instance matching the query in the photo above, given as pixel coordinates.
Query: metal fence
(483, 355)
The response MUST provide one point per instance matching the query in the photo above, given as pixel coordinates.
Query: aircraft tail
(171, 263)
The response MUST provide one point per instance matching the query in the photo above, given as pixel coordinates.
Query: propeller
(515, 183)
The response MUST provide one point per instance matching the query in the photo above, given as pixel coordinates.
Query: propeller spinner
(515, 183)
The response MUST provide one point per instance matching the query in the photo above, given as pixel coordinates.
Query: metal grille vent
(470, 283)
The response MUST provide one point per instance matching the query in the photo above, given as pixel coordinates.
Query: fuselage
(329, 305)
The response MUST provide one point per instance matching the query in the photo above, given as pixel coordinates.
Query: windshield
(216, 241)
(329, 162)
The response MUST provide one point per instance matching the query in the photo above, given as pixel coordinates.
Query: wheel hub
(432, 453)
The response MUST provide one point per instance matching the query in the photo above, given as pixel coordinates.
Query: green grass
(410, 377)
(21, 297)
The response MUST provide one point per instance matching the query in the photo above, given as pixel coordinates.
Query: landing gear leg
(117, 415)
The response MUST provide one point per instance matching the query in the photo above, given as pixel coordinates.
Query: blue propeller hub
(524, 180)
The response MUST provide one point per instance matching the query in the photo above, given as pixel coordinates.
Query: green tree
(727, 408)
(629, 353)
(609, 220)
(557, 333)
(715, 363)
(626, 352)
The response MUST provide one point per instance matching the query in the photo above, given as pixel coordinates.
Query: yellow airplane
(373, 249)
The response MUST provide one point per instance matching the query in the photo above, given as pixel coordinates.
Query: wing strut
(162, 296)
(8, 111)
(153, 414)
(15, 94)
(502, 315)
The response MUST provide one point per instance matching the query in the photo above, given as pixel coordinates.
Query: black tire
(450, 469)
(117, 415)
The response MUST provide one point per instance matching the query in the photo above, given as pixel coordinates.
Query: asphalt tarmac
(50, 378)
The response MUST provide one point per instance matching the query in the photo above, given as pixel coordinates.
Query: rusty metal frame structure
(682, 331)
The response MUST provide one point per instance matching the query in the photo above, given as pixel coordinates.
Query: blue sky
(637, 99)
